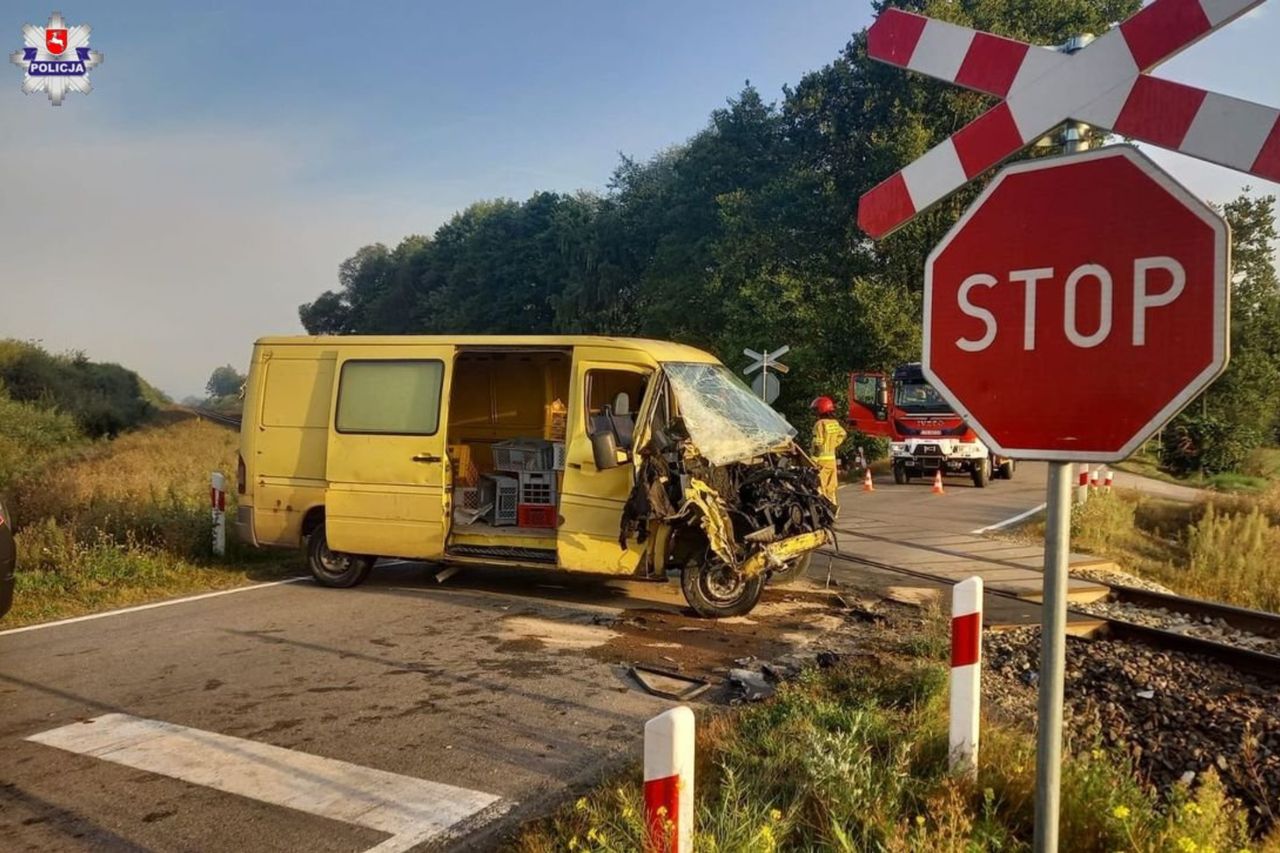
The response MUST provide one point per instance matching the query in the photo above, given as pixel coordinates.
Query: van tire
(715, 591)
(795, 570)
(334, 568)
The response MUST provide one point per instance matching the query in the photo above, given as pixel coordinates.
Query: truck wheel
(1006, 469)
(982, 473)
(900, 473)
(795, 570)
(334, 568)
(715, 590)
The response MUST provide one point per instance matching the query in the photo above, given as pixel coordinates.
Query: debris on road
(752, 686)
(669, 685)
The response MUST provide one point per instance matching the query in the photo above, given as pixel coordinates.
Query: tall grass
(30, 437)
(126, 521)
(1226, 548)
(856, 759)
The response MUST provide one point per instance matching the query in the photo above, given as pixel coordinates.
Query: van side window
(613, 397)
(390, 397)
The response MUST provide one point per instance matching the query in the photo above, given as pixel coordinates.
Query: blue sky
(227, 160)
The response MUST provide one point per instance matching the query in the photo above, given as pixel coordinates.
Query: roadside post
(1081, 301)
(668, 781)
(966, 676)
(218, 504)
(766, 384)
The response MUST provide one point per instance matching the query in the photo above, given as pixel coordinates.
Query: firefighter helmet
(823, 405)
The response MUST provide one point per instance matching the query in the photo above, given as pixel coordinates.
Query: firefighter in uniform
(827, 436)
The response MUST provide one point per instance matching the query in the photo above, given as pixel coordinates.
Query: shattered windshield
(725, 420)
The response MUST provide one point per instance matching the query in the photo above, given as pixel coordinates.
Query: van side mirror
(604, 449)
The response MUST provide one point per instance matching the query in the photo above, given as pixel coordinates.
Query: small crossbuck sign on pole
(766, 383)
(1105, 85)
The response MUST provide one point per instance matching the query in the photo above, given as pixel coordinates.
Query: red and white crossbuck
(1106, 85)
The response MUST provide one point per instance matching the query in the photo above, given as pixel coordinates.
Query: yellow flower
(1186, 844)
(573, 843)
(775, 814)
(627, 812)
(581, 804)
(919, 820)
(592, 835)
(1121, 812)
(1097, 754)
(1191, 808)
(662, 811)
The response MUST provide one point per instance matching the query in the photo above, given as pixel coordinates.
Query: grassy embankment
(855, 758)
(1260, 470)
(1223, 548)
(103, 522)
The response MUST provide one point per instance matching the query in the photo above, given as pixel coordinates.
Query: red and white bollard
(1097, 478)
(668, 782)
(1082, 484)
(1106, 482)
(218, 503)
(966, 674)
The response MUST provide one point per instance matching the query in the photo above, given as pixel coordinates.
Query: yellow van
(612, 456)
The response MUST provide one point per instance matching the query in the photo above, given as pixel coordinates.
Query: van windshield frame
(725, 420)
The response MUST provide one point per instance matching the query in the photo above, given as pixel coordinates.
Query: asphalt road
(403, 714)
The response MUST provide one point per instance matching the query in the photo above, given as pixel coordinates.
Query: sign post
(766, 384)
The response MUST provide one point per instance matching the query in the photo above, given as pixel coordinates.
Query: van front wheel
(715, 590)
(334, 568)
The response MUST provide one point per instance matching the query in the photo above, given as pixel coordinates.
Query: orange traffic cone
(867, 485)
(937, 483)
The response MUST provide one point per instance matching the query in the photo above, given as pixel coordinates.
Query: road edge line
(88, 617)
(999, 525)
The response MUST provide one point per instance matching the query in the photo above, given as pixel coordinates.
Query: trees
(225, 381)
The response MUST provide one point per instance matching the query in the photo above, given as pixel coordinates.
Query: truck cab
(926, 435)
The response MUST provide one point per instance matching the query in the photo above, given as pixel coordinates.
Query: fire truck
(925, 434)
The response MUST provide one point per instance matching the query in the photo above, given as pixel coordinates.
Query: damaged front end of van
(723, 494)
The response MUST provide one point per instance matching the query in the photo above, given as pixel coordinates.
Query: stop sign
(1078, 304)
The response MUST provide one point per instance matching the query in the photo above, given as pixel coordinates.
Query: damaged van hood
(726, 422)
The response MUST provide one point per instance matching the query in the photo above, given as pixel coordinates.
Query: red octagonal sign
(1077, 305)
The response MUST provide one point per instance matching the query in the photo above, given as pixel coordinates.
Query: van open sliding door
(389, 477)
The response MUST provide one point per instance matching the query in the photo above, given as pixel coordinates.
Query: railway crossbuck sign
(1105, 84)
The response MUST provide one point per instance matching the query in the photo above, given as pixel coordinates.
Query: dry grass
(127, 521)
(1225, 548)
(856, 759)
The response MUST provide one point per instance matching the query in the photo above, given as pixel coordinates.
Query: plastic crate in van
(502, 495)
(523, 454)
(538, 487)
(533, 515)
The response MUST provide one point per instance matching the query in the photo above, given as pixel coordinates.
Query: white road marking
(412, 811)
(1008, 521)
(90, 617)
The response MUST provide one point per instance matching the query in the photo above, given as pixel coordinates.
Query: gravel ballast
(1177, 714)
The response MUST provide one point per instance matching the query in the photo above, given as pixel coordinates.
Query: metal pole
(1053, 656)
(1074, 139)
(1053, 613)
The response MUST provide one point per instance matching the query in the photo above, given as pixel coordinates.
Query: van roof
(659, 350)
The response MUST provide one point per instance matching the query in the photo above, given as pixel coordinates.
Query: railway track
(216, 417)
(1254, 622)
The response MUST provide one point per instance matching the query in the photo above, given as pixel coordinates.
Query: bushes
(1207, 444)
(104, 399)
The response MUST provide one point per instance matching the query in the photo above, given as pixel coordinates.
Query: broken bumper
(776, 554)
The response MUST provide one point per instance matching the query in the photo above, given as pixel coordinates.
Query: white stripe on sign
(412, 811)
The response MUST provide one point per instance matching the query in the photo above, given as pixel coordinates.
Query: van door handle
(575, 465)
(426, 457)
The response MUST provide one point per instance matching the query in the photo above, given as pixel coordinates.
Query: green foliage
(104, 399)
(856, 759)
(225, 381)
(1207, 443)
(1232, 557)
(30, 436)
(743, 236)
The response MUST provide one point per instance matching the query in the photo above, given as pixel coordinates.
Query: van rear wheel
(335, 568)
(715, 590)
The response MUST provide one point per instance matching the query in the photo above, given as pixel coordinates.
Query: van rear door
(389, 479)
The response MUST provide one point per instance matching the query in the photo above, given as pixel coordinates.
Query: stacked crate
(532, 461)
